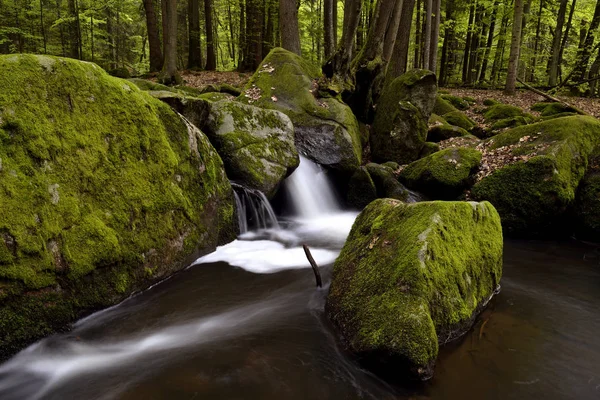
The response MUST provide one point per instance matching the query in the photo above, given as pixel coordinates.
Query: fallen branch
(549, 97)
(313, 264)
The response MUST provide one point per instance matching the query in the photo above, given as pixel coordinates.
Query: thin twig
(313, 264)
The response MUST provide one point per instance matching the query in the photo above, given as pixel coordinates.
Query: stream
(246, 322)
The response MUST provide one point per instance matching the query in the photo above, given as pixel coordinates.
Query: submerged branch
(313, 264)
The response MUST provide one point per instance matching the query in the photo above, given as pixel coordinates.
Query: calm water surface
(217, 331)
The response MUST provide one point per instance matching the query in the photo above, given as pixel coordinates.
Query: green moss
(549, 109)
(386, 183)
(438, 133)
(459, 119)
(96, 176)
(286, 82)
(456, 101)
(560, 115)
(435, 119)
(502, 111)
(257, 145)
(531, 195)
(443, 175)
(512, 122)
(429, 148)
(490, 102)
(413, 275)
(442, 106)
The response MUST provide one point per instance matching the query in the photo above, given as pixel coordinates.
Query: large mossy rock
(361, 189)
(257, 145)
(387, 184)
(444, 175)
(326, 129)
(104, 191)
(460, 119)
(587, 203)
(412, 276)
(532, 172)
(403, 110)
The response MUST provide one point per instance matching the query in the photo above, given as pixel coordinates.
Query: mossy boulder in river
(104, 191)
(257, 145)
(587, 203)
(361, 189)
(326, 130)
(411, 277)
(387, 184)
(403, 110)
(444, 175)
(531, 173)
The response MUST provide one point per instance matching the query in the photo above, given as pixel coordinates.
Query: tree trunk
(288, 26)
(467, 54)
(43, 26)
(475, 41)
(515, 49)
(254, 28)
(399, 59)
(335, 24)
(169, 73)
(392, 31)
(194, 45)
(566, 36)
(427, 34)
(435, 34)
(73, 34)
(328, 28)
(446, 67)
(211, 58)
(538, 31)
(156, 57)
(499, 55)
(553, 73)
(490, 42)
(339, 64)
(418, 37)
(242, 42)
(583, 60)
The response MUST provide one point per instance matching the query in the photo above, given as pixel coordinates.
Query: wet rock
(361, 189)
(412, 277)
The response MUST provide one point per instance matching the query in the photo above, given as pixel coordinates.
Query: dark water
(220, 332)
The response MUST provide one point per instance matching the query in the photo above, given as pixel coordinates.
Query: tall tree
(339, 64)
(490, 41)
(329, 44)
(427, 34)
(555, 54)
(399, 59)
(211, 59)
(156, 57)
(584, 56)
(391, 33)
(169, 74)
(515, 49)
(73, 31)
(435, 34)
(288, 26)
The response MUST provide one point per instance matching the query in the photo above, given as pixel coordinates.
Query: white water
(318, 223)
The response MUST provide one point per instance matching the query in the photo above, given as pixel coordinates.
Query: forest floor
(524, 99)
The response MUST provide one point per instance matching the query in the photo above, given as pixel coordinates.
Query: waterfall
(310, 191)
(253, 209)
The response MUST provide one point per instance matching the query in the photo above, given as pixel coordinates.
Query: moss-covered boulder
(361, 189)
(587, 203)
(511, 122)
(459, 119)
(548, 109)
(195, 109)
(387, 184)
(490, 102)
(400, 125)
(256, 145)
(428, 149)
(456, 101)
(411, 277)
(501, 111)
(104, 191)
(442, 107)
(531, 173)
(444, 175)
(440, 132)
(326, 130)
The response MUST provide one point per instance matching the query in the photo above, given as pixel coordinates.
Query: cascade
(253, 209)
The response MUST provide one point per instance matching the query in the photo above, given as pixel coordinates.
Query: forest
(552, 44)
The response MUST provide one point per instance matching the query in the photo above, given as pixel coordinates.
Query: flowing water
(246, 322)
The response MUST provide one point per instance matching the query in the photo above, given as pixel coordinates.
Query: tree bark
(447, 67)
(73, 32)
(467, 53)
(582, 66)
(169, 74)
(435, 34)
(418, 37)
(566, 36)
(156, 57)
(427, 34)
(211, 59)
(538, 31)
(399, 59)
(490, 42)
(339, 64)
(515, 49)
(553, 73)
(288, 26)
(329, 45)
(392, 31)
